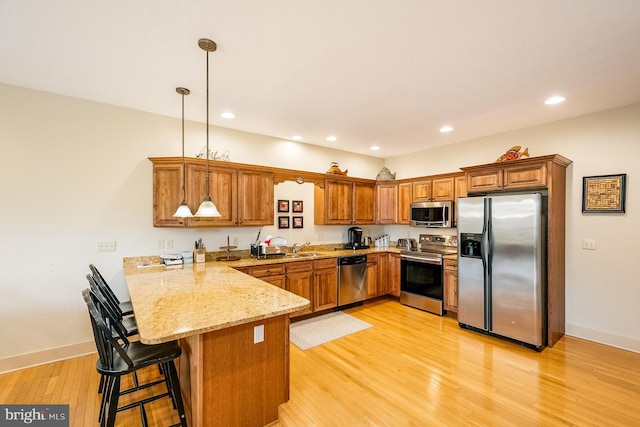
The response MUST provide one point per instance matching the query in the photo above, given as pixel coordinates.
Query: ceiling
(370, 72)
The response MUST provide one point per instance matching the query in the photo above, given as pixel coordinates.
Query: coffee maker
(354, 236)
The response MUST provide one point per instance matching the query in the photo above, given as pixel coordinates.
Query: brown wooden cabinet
(270, 273)
(167, 194)
(460, 183)
(386, 203)
(223, 189)
(343, 201)
(421, 190)
(242, 195)
(394, 274)
(536, 173)
(522, 174)
(450, 284)
(437, 188)
(383, 274)
(443, 189)
(372, 276)
(325, 284)
(405, 197)
(300, 282)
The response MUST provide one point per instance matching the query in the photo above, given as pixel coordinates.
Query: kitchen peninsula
(234, 334)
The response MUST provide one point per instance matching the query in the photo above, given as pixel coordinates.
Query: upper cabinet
(345, 201)
(429, 189)
(405, 197)
(387, 203)
(242, 195)
(530, 173)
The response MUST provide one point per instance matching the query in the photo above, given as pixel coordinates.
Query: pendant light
(183, 210)
(207, 208)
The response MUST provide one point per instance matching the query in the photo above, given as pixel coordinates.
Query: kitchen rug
(309, 333)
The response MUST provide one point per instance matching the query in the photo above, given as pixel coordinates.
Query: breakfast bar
(234, 334)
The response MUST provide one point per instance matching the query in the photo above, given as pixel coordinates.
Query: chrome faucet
(295, 248)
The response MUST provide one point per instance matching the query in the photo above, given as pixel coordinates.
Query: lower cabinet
(317, 280)
(394, 274)
(325, 284)
(451, 285)
(383, 274)
(270, 273)
(299, 281)
(372, 275)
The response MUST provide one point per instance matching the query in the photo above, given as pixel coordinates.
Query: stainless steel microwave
(432, 214)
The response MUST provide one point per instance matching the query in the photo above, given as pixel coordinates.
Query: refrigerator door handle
(486, 251)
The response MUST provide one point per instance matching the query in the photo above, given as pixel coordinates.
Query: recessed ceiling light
(228, 115)
(332, 138)
(554, 100)
(445, 129)
(374, 148)
(296, 137)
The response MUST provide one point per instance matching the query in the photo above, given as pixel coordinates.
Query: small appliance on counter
(354, 236)
(172, 259)
(407, 244)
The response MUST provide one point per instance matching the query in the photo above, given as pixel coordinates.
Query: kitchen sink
(303, 255)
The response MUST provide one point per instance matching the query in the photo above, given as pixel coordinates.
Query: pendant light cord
(207, 197)
(184, 172)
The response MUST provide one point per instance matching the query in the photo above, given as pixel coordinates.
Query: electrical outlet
(168, 244)
(160, 243)
(234, 241)
(258, 334)
(106, 246)
(589, 244)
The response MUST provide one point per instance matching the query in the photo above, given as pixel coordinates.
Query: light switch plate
(106, 246)
(589, 244)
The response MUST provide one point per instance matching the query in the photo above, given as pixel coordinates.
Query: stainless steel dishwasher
(352, 279)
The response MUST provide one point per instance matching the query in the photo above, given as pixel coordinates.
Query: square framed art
(296, 206)
(283, 222)
(283, 206)
(604, 193)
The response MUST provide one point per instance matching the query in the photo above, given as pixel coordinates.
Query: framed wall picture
(604, 193)
(297, 206)
(298, 222)
(283, 222)
(283, 206)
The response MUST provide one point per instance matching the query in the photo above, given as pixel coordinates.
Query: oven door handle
(424, 260)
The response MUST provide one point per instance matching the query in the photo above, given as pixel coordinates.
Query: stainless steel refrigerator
(502, 266)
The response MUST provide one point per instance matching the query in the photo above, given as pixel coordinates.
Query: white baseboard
(22, 361)
(602, 337)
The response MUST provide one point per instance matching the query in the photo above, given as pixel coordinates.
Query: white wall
(76, 172)
(602, 288)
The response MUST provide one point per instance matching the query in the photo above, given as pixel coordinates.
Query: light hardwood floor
(411, 369)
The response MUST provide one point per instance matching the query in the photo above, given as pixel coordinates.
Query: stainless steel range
(422, 273)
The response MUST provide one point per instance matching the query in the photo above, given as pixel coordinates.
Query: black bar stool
(117, 357)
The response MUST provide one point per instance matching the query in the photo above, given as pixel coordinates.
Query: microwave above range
(432, 214)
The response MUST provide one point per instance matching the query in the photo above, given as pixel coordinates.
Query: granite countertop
(321, 252)
(179, 301)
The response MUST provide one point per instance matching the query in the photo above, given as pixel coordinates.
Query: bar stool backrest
(107, 345)
(105, 288)
(107, 310)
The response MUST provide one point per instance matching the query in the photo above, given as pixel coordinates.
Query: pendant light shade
(207, 208)
(183, 210)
